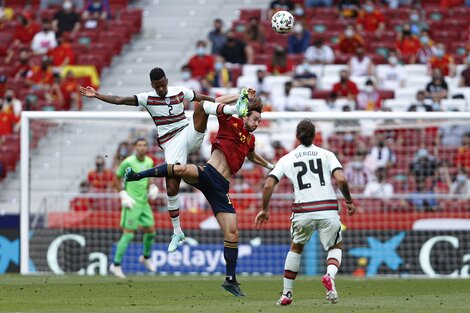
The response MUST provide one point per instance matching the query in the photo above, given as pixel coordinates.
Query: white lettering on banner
(210, 259)
(425, 257)
(53, 262)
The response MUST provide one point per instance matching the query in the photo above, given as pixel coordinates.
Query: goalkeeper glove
(126, 200)
(153, 192)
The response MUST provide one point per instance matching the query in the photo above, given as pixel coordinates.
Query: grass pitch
(203, 294)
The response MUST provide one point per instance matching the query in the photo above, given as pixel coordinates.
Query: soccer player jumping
(233, 143)
(177, 136)
(315, 207)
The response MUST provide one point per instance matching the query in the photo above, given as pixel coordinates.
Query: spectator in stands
(69, 89)
(260, 75)
(462, 159)
(360, 64)
(25, 29)
(465, 75)
(23, 66)
(437, 88)
(66, 19)
(392, 76)
(451, 134)
(423, 165)
(356, 173)
(420, 105)
(370, 19)
(82, 202)
(95, 10)
(299, 40)
(380, 155)
(379, 188)
(304, 76)
(280, 63)
(461, 185)
(407, 44)
(369, 98)
(217, 37)
(281, 5)
(44, 40)
(100, 179)
(202, 63)
(443, 61)
(236, 51)
(187, 80)
(124, 150)
(319, 53)
(254, 31)
(417, 22)
(287, 101)
(279, 150)
(14, 104)
(348, 8)
(349, 41)
(40, 76)
(345, 88)
(8, 122)
(221, 76)
(63, 54)
(423, 198)
(441, 181)
(427, 49)
(318, 3)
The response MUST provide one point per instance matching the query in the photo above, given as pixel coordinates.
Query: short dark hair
(305, 132)
(157, 73)
(255, 105)
(139, 139)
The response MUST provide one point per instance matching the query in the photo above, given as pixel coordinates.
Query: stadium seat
(246, 14)
(416, 69)
(396, 105)
(406, 93)
(246, 81)
(327, 82)
(454, 105)
(301, 92)
(275, 83)
(333, 70)
(251, 69)
(417, 81)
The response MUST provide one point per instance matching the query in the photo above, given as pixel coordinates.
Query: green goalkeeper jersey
(136, 189)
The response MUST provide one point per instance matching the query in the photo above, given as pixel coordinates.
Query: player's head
(140, 145)
(253, 118)
(305, 132)
(159, 81)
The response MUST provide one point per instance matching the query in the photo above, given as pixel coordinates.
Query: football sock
(218, 108)
(122, 246)
(176, 225)
(230, 256)
(333, 261)
(291, 268)
(173, 206)
(163, 170)
(148, 242)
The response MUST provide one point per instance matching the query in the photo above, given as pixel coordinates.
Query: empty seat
(454, 105)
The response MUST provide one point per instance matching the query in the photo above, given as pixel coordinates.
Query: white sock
(173, 205)
(176, 225)
(333, 261)
(211, 108)
(291, 268)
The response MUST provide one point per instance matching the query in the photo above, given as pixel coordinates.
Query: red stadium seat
(19, 5)
(135, 16)
(246, 14)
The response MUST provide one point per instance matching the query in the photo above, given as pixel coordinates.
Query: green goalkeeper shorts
(137, 216)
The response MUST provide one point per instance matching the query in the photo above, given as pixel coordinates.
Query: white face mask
(298, 28)
(461, 178)
(67, 5)
(201, 51)
(186, 75)
(369, 89)
(349, 33)
(393, 60)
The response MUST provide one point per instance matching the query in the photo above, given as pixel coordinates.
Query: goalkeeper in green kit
(136, 210)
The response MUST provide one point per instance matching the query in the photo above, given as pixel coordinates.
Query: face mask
(186, 75)
(201, 51)
(218, 66)
(349, 33)
(299, 11)
(393, 60)
(414, 17)
(439, 53)
(468, 59)
(348, 137)
(99, 166)
(306, 66)
(357, 165)
(424, 39)
(123, 152)
(461, 178)
(343, 79)
(369, 8)
(298, 28)
(436, 106)
(369, 89)
(67, 6)
(8, 98)
(96, 5)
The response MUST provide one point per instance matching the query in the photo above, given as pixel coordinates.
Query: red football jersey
(234, 141)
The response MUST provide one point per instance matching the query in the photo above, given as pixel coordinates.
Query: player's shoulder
(150, 93)
(129, 159)
(175, 90)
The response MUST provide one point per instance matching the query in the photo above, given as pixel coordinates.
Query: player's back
(310, 170)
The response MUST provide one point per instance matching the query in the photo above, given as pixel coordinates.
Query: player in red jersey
(233, 143)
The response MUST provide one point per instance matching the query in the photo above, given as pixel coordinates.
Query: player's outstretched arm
(259, 160)
(344, 188)
(90, 92)
(263, 215)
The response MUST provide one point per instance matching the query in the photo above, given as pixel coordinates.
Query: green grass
(203, 294)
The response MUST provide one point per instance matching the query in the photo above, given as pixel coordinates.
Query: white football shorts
(187, 141)
(329, 230)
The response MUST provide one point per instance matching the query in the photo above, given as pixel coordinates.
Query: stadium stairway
(170, 31)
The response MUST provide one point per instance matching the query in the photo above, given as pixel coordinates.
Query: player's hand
(251, 93)
(351, 208)
(153, 192)
(126, 200)
(261, 218)
(88, 91)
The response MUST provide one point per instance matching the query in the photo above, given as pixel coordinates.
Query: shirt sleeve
(333, 162)
(122, 167)
(142, 98)
(279, 170)
(188, 94)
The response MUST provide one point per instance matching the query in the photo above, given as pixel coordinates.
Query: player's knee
(297, 248)
(232, 235)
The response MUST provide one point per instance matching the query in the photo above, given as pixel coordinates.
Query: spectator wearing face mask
(443, 61)
(201, 63)
(13, 103)
(101, 178)
(122, 152)
(280, 63)
(407, 44)
(465, 75)
(416, 23)
(380, 155)
(356, 173)
(299, 40)
(8, 122)
(392, 76)
(25, 29)
(305, 76)
(462, 159)
(187, 80)
(44, 40)
(349, 41)
(360, 64)
(437, 88)
(345, 88)
(254, 31)
(348, 8)
(461, 185)
(427, 49)
(236, 51)
(23, 66)
(420, 104)
(370, 19)
(66, 19)
(319, 53)
(221, 76)
(369, 98)
(379, 188)
(217, 37)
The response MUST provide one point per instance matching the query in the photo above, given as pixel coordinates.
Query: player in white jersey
(315, 207)
(177, 136)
